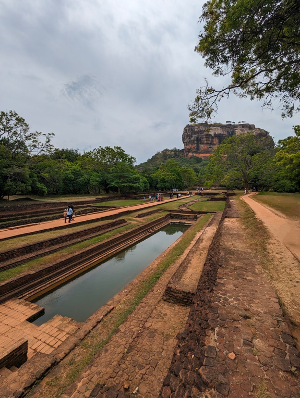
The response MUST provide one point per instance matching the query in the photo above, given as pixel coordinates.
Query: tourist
(245, 192)
(65, 215)
(69, 213)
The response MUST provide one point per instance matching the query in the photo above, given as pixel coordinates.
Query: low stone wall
(15, 355)
(147, 213)
(23, 208)
(184, 216)
(204, 193)
(216, 199)
(18, 286)
(30, 248)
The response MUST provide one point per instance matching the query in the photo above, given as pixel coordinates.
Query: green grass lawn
(33, 199)
(124, 202)
(13, 243)
(286, 203)
(73, 249)
(175, 204)
(208, 206)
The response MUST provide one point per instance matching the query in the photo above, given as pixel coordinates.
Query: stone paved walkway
(236, 343)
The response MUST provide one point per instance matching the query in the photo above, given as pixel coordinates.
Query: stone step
(21, 309)
(59, 322)
(182, 286)
(4, 373)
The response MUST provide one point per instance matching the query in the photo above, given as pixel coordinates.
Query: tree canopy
(246, 161)
(288, 155)
(237, 159)
(256, 43)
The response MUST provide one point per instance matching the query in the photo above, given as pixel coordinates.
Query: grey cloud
(86, 89)
(158, 125)
(110, 72)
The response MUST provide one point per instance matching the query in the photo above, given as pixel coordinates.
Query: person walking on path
(69, 213)
(65, 215)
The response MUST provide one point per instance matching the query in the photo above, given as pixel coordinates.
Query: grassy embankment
(29, 239)
(32, 199)
(208, 206)
(286, 203)
(124, 202)
(73, 249)
(257, 234)
(96, 340)
(58, 212)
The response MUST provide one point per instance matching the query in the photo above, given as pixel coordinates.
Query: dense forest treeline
(29, 164)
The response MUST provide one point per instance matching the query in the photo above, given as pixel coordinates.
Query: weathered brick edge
(179, 297)
(44, 205)
(19, 382)
(57, 211)
(192, 339)
(15, 355)
(148, 213)
(17, 286)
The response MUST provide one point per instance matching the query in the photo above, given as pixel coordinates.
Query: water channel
(80, 297)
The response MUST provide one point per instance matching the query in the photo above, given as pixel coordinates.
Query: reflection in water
(80, 297)
(173, 228)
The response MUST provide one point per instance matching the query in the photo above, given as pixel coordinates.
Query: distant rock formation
(202, 139)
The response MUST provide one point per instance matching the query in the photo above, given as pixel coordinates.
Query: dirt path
(24, 229)
(284, 248)
(285, 230)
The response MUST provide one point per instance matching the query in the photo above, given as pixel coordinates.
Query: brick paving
(14, 327)
(236, 342)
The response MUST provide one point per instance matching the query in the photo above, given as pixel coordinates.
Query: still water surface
(80, 297)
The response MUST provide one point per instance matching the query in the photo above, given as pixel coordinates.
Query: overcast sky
(111, 72)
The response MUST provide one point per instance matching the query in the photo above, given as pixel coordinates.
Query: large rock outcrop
(202, 139)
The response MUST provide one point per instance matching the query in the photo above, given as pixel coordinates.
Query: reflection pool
(80, 297)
